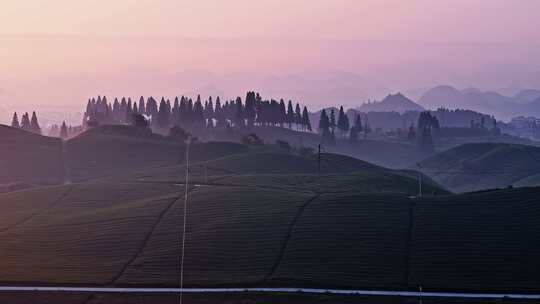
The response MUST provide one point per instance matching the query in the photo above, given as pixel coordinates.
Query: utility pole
(188, 142)
(319, 161)
(205, 174)
(419, 181)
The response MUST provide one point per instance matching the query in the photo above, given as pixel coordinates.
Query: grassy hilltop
(259, 229)
(261, 216)
(27, 158)
(474, 167)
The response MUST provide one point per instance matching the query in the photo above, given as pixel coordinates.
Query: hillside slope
(254, 236)
(292, 171)
(472, 167)
(29, 158)
(117, 150)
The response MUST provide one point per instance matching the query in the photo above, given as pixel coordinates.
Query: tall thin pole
(185, 220)
(319, 161)
(419, 181)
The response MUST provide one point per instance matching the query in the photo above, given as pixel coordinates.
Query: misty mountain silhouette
(527, 95)
(397, 103)
(493, 103)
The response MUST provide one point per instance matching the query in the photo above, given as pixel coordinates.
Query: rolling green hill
(128, 233)
(473, 167)
(339, 173)
(260, 217)
(27, 158)
(115, 150)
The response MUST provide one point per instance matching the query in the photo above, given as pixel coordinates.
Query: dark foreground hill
(472, 167)
(27, 158)
(263, 234)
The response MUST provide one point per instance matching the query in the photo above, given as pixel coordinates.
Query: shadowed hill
(29, 158)
(245, 235)
(472, 167)
(116, 150)
(293, 171)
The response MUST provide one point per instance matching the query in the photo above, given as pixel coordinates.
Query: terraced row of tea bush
(120, 233)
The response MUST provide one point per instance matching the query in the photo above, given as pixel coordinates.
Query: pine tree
(15, 121)
(129, 111)
(34, 125)
(238, 112)
(151, 108)
(290, 114)
(332, 120)
(324, 123)
(142, 108)
(282, 113)
(249, 111)
(175, 113)
(198, 113)
(25, 122)
(297, 116)
(305, 119)
(218, 114)
(343, 122)
(63, 131)
(163, 115)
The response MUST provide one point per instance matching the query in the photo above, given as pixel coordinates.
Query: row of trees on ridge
(187, 113)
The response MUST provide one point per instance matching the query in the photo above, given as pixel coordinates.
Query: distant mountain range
(503, 107)
(396, 103)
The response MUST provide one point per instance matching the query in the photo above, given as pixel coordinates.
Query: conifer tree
(129, 111)
(305, 119)
(163, 115)
(218, 114)
(142, 108)
(210, 109)
(175, 113)
(290, 114)
(324, 123)
(238, 112)
(198, 113)
(282, 113)
(25, 122)
(343, 122)
(249, 111)
(151, 108)
(15, 121)
(63, 131)
(34, 125)
(297, 116)
(332, 120)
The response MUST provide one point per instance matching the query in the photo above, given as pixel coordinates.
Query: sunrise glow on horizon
(279, 47)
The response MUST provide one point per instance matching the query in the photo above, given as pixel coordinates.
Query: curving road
(387, 293)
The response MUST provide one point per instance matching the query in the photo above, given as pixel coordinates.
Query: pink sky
(56, 53)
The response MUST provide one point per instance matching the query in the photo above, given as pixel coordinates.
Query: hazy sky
(64, 51)
(420, 20)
